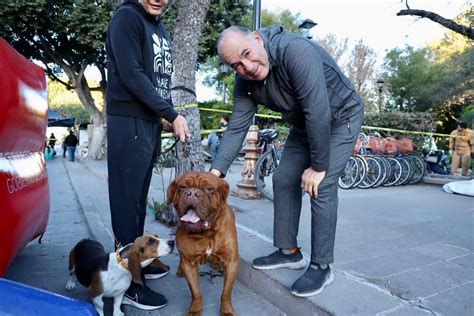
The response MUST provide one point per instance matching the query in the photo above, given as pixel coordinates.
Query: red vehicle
(24, 192)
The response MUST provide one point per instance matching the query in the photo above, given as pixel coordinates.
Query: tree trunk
(97, 141)
(189, 23)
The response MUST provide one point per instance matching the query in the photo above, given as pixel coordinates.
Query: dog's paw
(70, 285)
(226, 309)
(179, 272)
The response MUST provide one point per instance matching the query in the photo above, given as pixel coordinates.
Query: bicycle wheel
(264, 169)
(374, 173)
(407, 172)
(419, 168)
(349, 175)
(396, 172)
(385, 170)
(363, 167)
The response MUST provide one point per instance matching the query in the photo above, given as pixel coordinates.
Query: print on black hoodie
(139, 66)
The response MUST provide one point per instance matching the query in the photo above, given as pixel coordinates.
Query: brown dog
(206, 232)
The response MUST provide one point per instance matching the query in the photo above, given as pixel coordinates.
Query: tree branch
(450, 24)
(56, 78)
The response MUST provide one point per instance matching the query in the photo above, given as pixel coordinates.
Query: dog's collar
(120, 260)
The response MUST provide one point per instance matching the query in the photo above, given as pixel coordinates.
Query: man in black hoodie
(294, 76)
(138, 97)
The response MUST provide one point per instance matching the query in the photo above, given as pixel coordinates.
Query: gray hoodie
(304, 84)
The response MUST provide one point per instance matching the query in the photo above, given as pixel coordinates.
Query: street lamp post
(380, 84)
(257, 8)
(307, 24)
(224, 69)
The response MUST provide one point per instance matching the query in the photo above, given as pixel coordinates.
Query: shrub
(410, 122)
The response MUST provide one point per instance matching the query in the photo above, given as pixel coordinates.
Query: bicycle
(267, 163)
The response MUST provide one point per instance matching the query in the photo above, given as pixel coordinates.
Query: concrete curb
(275, 292)
(96, 227)
(443, 179)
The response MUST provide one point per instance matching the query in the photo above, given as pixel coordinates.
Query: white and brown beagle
(110, 274)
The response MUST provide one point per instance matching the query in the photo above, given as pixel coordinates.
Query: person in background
(138, 96)
(63, 145)
(461, 147)
(52, 143)
(295, 76)
(438, 162)
(47, 150)
(215, 137)
(71, 142)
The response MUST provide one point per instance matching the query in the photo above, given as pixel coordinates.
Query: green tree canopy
(68, 36)
(221, 14)
(437, 78)
(411, 79)
(61, 33)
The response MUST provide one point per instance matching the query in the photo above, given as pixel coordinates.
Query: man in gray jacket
(292, 75)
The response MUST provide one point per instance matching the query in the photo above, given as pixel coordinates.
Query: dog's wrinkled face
(198, 197)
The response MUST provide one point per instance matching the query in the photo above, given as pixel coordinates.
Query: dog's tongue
(190, 216)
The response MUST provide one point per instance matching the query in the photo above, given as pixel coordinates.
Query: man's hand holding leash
(180, 128)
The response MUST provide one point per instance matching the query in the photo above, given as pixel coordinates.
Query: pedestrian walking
(71, 142)
(52, 143)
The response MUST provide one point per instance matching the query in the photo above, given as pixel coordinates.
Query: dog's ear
(135, 268)
(171, 190)
(223, 189)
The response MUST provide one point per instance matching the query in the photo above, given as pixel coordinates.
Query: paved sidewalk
(405, 250)
(399, 251)
(79, 209)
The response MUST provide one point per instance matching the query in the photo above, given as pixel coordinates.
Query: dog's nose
(193, 193)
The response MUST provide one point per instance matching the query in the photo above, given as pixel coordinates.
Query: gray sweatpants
(288, 193)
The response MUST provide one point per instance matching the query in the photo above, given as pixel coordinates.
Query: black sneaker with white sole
(151, 273)
(313, 281)
(143, 297)
(280, 260)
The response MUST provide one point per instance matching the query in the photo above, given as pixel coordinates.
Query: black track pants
(131, 152)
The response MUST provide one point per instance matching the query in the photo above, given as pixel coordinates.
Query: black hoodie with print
(139, 66)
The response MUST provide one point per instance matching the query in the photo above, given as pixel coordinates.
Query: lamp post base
(246, 188)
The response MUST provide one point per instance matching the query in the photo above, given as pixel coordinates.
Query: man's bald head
(230, 32)
(244, 52)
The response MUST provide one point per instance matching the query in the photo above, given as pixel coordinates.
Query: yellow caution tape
(215, 110)
(205, 132)
(406, 132)
(227, 111)
(186, 106)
